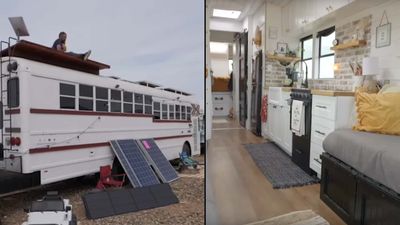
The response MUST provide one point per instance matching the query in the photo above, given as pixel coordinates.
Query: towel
(298, 118)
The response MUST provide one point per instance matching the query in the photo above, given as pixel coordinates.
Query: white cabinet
(279, 120)
(222, 103)
(328, 114)
(287, 133)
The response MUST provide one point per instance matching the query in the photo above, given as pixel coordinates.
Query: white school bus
(59, 114)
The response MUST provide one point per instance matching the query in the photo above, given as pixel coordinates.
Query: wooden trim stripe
(91, 145)
(171, 121)
(12, 111)
(86, 113)
(171, 137)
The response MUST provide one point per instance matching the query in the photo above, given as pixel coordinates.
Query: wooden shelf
(350, 44)
(282, 58)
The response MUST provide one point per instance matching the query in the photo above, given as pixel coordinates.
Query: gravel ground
(189, 189)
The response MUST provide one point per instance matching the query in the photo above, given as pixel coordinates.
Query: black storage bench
(356, 198)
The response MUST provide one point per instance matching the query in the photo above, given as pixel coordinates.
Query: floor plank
(241, 194)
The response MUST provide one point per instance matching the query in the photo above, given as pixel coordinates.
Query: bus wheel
(186, 149)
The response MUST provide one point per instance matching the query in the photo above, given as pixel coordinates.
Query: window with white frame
(157, 110)
(85, 97)
(326, 55)
(189, 113)
(101, 99)
(67, 96)
(139, 103)
(171, 112)
(148, 105)
(164, 114)
(307, 54)
(183, 112)
(128, 102)
(115, 101)
(177, 112)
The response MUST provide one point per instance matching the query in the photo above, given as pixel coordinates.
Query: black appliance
(301, 145)
(255, 118)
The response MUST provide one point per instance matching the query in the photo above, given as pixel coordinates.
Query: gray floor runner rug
(277, 166)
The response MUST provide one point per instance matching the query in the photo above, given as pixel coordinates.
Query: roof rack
(148, 84)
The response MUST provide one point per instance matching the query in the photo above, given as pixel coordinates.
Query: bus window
(85, 97)
(67, 96)
(177, 112)
(164, 111)
(156, 111)
(183, 112)
(148, 104)
(171, 112)
(115, 101)
(101, 99)
(128, 99)
(138, 103)
(189, 113)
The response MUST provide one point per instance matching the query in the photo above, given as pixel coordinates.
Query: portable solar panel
(118, 201)
(157, 159)
(134, 163)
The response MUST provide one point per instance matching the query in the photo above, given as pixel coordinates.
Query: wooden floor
(240, 192)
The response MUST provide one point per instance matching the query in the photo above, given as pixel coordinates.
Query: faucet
(306, 81)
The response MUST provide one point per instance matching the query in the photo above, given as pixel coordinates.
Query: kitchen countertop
(331, 92)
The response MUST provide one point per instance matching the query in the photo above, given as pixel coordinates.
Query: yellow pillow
(378, 113)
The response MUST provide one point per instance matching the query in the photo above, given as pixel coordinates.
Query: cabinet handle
(274, 106)
(321, 106)
(319, 132)
(317, 160)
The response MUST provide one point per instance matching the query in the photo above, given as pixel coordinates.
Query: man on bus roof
(59, 45)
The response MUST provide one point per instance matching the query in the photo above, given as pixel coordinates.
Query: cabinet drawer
(315, 161)
(320, 128)
(324, 106)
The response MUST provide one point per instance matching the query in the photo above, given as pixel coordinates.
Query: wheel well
(188, 146)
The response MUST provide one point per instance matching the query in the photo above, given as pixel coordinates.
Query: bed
(360, 177)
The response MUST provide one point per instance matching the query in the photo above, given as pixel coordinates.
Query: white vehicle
(59, 115)
(51, 210)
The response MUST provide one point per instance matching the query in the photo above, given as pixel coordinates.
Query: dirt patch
(189, 190)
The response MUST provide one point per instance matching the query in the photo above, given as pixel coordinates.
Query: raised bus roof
(29, 50)
(147, 84)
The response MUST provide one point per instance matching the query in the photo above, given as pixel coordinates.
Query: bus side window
(183, 112)
(128, 100)
(85, 97)
(177, 112)
(115, 101)
(101, 99)
(164, 111)
(189, 113)
(157, 110)
(13, 92)
(148, 105)
(138, 103)
(171, 112)
(67, 96)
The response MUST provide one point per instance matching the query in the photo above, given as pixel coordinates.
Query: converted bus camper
(59, 115)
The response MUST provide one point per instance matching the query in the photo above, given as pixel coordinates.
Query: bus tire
(186, 149)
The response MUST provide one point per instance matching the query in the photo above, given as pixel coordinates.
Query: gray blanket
(375, 155)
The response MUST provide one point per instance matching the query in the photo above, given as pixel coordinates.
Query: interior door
(243, 78)
(256, 95)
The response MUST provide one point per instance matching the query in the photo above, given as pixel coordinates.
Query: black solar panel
(134, 163)
(160, 163)
(118, 201)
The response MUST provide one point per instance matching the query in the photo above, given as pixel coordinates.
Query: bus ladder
(6, 119)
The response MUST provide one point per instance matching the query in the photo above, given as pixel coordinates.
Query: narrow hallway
(241, 194)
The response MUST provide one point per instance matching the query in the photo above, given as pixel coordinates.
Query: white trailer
(59, 114)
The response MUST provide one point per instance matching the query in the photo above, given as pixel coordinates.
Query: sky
(156, 40)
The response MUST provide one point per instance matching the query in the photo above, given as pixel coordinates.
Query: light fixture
(231, 14)
(370, 70)
(218, 47)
